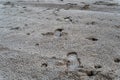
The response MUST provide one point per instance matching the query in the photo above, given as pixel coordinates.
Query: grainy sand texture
(59, 39)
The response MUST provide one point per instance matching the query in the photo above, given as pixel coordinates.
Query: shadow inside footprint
(15, 28)
(44, 65)
(91, 23)
(98, 66)
(48, 34)
(59, 29)
(90, 73)
(58, 32)
(86, 7)
(117, 60)
(68, 19)
(37, 44)
(27, 33)
(92, 39)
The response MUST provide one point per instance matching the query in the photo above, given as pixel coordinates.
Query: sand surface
(60, 40)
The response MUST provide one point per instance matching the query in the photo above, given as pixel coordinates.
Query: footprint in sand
(73, 61)
(117, 60)
(92, 39)
(58, 32)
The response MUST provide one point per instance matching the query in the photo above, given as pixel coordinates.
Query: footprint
(8, 3)
(60, 63)
(15, 28)
(91, 23)
(58, 32)
(61, 0)
(24, 7)
(68, 19)
(92, 73)
(55, 12)
(98, 66)
(25, 24)
(44, 65)
(59, 29)
(92, 39)
(37, 44)
(27, 33)
(117, 60)
(89, 72)
(2, 48)
(86, 7)
(73, 61)
(69, 6)
(104, 76)
(117, 26)
(48, 34)
(105, 3)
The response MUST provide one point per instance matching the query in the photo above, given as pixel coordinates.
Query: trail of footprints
(72, 61)
(73, 65)
(74, 68)
(57, 33)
